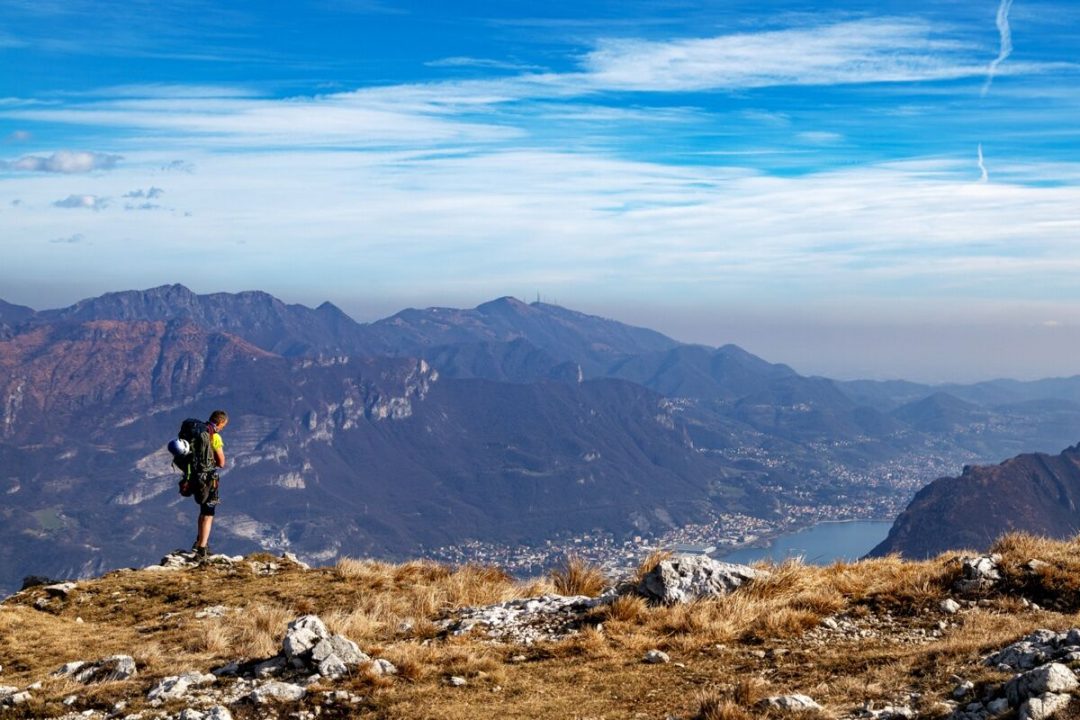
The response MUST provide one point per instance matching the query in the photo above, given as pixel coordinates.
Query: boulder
(1044, 707)
(348, 651)
(1050, 678)
(60, 589)
(115, 667)
(978, 575)
(302, 635)
(275, 690)
(332, 667)
(688, 577)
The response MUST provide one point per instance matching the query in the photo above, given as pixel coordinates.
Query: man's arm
(219, 451)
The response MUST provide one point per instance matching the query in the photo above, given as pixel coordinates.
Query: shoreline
(766, 544)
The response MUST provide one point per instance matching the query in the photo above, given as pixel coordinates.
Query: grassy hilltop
(851, 636)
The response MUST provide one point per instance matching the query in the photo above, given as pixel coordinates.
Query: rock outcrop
(690, 577)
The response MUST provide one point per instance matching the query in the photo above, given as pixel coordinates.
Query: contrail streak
(1006, 43)
(982, 167)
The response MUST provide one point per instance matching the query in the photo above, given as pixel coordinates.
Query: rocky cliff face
(1036, 492)
(84, 376)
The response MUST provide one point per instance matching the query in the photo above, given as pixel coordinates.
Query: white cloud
(408, 219)
(334, 119)
(1005, 49)
(87, 202)
(485, 63)
(64, 162)
(861, 51)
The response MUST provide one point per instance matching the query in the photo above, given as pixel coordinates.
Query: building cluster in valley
(800, 508)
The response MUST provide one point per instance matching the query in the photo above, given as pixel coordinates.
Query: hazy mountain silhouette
(940, 412)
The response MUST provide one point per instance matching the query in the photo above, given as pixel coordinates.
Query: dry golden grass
(651, 561)
(727, 653)
(577, 577)
(716, 707)
(1055, 580)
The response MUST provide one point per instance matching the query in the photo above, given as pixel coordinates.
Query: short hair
(219, 417)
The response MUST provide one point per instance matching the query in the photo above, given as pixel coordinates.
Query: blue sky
(867, 190)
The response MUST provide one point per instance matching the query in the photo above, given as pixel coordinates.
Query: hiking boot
(202, 552)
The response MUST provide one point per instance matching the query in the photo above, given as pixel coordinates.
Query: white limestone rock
(60, 589)
(333, 667)
(656, 657)
(688, 577)
(382, 666)
(175, 687)
(302, 635)
(1050, 678)
(1044, 707)
(790, 703)
(275, 690)
(115, 667)
(978, 575)
(270, 667)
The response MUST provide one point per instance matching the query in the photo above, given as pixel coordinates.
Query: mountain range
(509, 423)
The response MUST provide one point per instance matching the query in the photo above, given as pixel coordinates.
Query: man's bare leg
(203, 538)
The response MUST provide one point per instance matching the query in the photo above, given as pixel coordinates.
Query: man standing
(206, 489)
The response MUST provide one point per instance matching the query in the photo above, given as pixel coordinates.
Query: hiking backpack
(199, 460)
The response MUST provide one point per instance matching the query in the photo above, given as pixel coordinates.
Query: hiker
(205, 487)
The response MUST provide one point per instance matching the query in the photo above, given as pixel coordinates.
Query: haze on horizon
(882, 189)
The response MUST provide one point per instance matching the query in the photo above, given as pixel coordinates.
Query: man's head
(219, 418)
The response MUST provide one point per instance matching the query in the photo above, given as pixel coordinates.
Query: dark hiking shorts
(206, 494)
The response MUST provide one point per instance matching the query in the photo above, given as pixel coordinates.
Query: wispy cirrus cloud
(885, 50)
(335, 119)
(1005, 49)
(434, 113)
(66, 162)
(483, 63)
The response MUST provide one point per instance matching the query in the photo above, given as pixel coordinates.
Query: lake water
(821, 544)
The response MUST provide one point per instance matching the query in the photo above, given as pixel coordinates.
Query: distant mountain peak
(507, 302)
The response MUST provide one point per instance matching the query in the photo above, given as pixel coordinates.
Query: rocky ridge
(316, 672)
